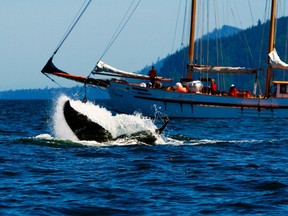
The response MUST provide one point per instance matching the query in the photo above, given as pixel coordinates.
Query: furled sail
(222, 69)
(105, 69)
(276, 62)
(102, 67)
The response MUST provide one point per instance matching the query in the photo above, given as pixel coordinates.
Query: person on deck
(213, 87)
(153, 75)
(232, 91)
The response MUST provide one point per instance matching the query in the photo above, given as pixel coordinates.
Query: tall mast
(271, 46)
(192, 32)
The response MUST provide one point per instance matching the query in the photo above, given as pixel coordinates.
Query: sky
(32, 29)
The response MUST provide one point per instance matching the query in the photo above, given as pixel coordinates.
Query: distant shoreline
(52, 93)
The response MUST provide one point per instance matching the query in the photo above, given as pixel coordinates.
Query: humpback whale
(85, 129)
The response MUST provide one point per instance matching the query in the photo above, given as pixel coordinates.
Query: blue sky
(32, 29)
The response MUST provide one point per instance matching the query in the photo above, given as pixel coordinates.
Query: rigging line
(198, 30)
(286, 44)
(244, 35)
(264, 19)
(118, 28)
(249, 48)
(286, 41)
(53, 80)
(251, 14)
(208, 40)
(184, 23)
(218, 39)
(73, 24)
(177, 20)
(184, 28)
(202, 12)
(121, 29)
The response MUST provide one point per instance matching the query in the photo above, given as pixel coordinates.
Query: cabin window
(283, 89)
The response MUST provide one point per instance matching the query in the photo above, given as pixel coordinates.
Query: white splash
(43, 136)
(117, 125)
(60, 127)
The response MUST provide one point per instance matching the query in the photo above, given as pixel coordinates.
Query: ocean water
(197, 167)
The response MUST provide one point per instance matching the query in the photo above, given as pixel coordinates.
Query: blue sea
(197, 167)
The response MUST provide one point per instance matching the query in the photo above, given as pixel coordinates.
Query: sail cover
(222, 69)
(102, 67)
(276, 62)
(105, 69)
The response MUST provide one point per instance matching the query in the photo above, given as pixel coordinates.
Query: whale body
(86, 129)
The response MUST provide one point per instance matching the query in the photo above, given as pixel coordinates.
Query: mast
(270, 46)
(192, 32)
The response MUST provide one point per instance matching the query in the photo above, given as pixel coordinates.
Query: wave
(47, 139)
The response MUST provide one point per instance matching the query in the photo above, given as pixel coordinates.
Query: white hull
(155, 102)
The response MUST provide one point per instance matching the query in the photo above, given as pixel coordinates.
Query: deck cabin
(281, 89)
